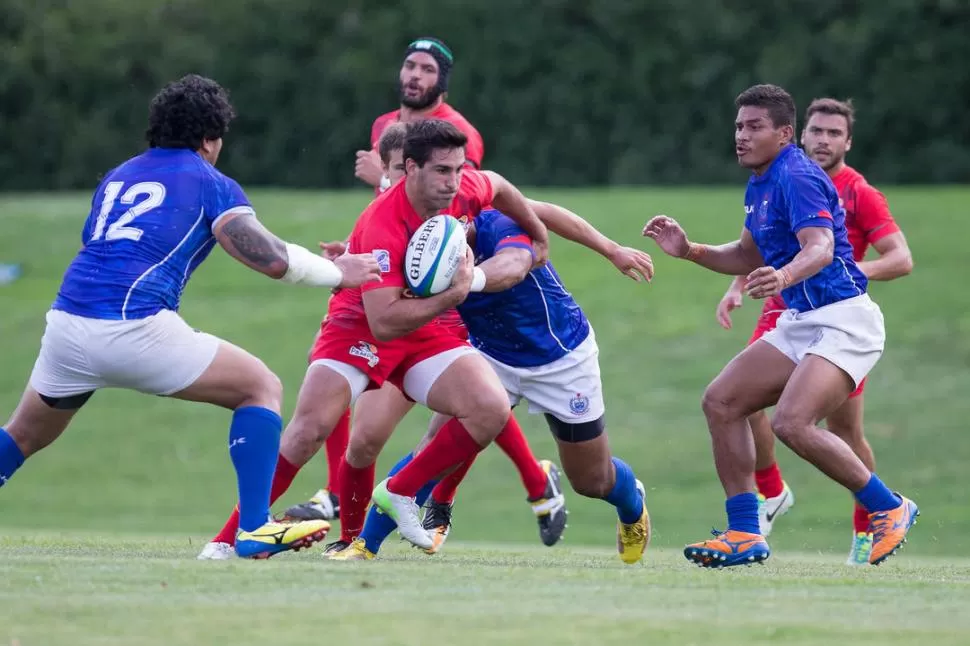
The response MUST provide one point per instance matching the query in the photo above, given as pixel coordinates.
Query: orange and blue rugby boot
(727, 549)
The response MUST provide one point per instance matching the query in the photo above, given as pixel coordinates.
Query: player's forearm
(248, 241)
(737, 285)
(894, 264)
(406, 315)
(729, 258)
(504, 271)
(813, 258)
(566, 224)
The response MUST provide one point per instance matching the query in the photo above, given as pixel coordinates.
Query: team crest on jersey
(367, 351)
(383, 258)
(579, 404)
(763, 213)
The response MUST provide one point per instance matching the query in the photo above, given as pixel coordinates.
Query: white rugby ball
(433, 254)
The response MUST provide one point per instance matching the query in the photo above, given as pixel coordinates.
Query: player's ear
(410, 166)
(848, 144)
(787, 135)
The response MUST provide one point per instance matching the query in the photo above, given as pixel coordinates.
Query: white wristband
(385, 183)
(307, 268)
(478, 280)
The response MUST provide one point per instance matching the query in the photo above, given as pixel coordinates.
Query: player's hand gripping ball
(433, 255)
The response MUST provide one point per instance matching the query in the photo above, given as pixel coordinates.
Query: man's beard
(420, 102)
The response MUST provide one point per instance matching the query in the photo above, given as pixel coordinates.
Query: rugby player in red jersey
(373, 336)
(423, 85)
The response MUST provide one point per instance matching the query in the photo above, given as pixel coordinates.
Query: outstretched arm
(245, 238)
(733, 258)
(631, 262)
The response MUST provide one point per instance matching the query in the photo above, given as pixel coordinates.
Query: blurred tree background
(565, 92)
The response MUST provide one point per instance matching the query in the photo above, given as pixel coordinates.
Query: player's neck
(417, 203)
(836, 169)
(410, 114)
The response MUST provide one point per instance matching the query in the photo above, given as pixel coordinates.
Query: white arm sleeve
(307, 268)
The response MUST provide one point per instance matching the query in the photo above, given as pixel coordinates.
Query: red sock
(282, 479)
(512, 441)
(769, 481)
(452, 445)
(446, 489)
(336, 447)
(356, 486)
(860, 519)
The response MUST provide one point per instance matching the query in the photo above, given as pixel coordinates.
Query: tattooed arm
(248, 241)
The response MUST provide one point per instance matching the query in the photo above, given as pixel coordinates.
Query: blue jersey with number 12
(150, 226)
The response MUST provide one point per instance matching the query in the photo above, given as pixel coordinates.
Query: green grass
(146, 590)
(132, 465)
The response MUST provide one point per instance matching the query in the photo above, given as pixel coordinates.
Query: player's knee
(789, 428)
(264, 389)
(718, 405)
(488, 409)
(364, 447)
(303, 437)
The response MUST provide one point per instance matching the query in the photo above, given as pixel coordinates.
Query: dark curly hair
(187, 111)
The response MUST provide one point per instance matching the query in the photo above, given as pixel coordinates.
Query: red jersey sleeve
(475, 192)
(387, 240)
(872, 214)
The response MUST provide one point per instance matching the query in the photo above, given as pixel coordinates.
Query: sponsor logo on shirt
(367, 351)
(383, 258)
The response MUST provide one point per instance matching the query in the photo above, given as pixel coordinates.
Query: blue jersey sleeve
(807, 199)
(500, 232)
(223, 195)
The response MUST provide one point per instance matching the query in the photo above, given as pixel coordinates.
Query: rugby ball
(433, 254)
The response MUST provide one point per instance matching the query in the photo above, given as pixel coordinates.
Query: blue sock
(876, 496)
(11, 457)
(254, 445)
(742, 513)
(625, 497)
(379, 525)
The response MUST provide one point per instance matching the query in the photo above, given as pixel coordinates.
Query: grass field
(103, 525)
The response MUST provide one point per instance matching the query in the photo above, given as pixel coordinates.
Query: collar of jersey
(768, 174)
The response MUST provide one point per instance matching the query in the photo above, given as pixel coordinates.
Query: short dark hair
(392, 139)
(833, 106)
(778, 103)
(425, 136)
(187, 111)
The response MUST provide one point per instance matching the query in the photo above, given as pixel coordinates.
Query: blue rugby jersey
(530, 324)
(795, 193)
(149, 228)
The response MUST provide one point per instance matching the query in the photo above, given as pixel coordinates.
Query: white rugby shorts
(569, 388)
(159, 355)
(851, 334)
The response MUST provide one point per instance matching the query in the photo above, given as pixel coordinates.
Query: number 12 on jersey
(119, 229)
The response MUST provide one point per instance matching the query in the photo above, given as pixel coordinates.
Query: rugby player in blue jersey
(794, 243)
(542, 347)
(114, 323)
